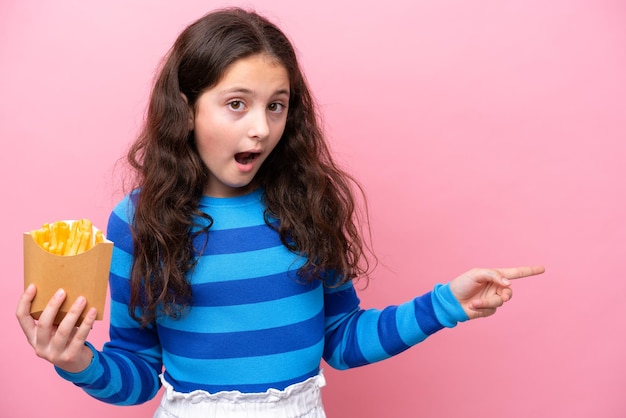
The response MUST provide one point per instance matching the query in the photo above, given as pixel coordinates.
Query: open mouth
(246, 157)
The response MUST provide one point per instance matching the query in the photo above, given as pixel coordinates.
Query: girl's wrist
(80, 364)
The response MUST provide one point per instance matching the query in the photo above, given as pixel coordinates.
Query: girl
(235, 254)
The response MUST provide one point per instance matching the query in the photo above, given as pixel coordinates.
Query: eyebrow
(244, 90)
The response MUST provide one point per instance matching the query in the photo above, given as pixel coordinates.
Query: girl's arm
(126, 371)
(356, 337)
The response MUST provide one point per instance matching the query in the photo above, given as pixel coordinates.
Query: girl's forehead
(254, 68)
(255, 61)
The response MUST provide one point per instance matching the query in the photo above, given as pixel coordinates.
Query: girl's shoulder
(125, 208)
(120, 220)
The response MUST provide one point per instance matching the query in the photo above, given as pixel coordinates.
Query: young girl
(235, 254)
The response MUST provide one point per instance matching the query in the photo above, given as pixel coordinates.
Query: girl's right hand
(62, 345)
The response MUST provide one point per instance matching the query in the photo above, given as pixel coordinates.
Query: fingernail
(59, 293)
(80, 300)
(506, 281)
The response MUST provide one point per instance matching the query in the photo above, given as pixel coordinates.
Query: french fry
(63, 238)
(86, 224)
(64, 231)
(53, 237)
(73, 230)
(73, 249)
(70, 240)
(99, 237)
(85, 238)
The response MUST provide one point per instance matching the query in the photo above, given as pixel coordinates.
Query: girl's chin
(233, 190)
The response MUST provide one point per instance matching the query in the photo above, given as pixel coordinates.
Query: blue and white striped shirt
(254, 325)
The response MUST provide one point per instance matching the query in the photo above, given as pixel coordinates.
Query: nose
(259, 125)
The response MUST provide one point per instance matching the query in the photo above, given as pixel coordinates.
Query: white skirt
(301, 400)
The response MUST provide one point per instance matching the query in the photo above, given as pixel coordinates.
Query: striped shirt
(254, 325)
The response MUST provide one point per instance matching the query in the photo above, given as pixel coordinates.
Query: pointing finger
(519, 272)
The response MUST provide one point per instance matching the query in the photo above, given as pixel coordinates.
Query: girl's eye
(236, 105)
(276, 107)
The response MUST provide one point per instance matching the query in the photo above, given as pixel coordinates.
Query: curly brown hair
(308, 193)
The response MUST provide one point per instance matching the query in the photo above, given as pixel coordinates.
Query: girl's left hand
(481, 291)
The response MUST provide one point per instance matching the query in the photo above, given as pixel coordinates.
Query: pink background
(486, 133)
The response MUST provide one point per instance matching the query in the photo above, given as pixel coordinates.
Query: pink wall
(485, 133)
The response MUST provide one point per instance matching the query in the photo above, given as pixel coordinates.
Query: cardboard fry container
(85, 274)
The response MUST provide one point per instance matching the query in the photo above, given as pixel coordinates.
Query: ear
(191, 113)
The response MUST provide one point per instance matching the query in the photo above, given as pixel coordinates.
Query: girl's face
(238, 122)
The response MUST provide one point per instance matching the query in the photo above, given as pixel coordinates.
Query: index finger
(519, 272)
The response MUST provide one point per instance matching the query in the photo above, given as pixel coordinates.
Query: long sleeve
(356, 337)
